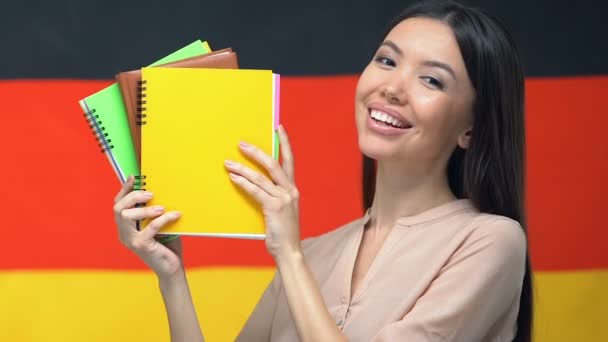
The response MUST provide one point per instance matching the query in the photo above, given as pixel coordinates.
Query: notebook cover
(195, 119)
(128, 82)
(107, 117)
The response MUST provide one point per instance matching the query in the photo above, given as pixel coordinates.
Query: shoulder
(499, 228)
(500, 237)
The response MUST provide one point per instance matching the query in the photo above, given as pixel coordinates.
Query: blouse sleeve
(473, 291)
(259, 323)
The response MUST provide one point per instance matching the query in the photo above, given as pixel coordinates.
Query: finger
(136, 214)
(158, 223)
(131, 199)
(255, 191)
(254, 177)
(126, 188)
(286, 154)
(271, 165)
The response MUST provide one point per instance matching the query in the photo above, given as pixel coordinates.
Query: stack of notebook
(174, 123)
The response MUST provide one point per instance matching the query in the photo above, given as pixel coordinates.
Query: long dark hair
(490, 173)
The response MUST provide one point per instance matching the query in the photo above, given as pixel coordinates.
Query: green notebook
(107, 117)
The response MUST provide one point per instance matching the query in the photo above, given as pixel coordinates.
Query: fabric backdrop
(64, 275)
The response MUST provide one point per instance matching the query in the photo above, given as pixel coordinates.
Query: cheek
(435, 116)
(359, 92)
(431, 108)
(366, 84)
(363, 91)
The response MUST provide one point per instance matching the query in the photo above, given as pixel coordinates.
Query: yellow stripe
(126, 306)
(121, 306)
(571, 306)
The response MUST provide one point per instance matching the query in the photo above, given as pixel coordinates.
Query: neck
(401, 192)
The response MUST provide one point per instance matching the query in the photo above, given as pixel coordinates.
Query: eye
(432, 81)
(385, 60)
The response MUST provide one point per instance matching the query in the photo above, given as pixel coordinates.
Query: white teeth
(385, 118)
(380, 116)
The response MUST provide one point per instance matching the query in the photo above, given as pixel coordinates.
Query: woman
(440, 254)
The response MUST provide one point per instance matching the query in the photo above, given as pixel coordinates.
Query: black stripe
(96, 39)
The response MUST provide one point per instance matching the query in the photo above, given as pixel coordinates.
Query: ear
(464, 140)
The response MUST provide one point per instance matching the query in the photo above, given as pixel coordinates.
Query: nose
(393, 90)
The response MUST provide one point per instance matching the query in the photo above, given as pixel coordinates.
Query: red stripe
(58, 189)
(567, 172)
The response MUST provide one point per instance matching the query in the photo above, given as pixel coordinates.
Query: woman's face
(414, 100)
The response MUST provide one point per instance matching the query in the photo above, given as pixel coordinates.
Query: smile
(383, 118)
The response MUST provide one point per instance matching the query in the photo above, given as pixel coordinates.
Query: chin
(377, 150)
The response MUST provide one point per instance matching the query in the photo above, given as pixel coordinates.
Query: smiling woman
(440, 254)
(418, 84)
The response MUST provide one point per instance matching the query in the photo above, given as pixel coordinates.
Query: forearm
(183, 322)
(312, 320)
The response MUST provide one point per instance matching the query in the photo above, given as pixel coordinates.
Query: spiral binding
(141, 102)
(98, 129)
(140, 180)
(139, 183)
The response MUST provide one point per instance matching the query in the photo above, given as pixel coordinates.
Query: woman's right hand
(164, 259)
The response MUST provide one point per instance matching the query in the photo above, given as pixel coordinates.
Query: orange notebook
(194, 121)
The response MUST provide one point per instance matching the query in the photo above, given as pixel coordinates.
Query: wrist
(289, 257)
(174, 280)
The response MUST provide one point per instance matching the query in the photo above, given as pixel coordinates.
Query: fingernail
(229, 163)
(176, 214)
(244, 144)
(158, 208)
(233, 176)
(147, 194)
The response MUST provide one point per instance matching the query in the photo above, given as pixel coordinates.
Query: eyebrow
(440, 65)
(429, 63)
(392, 46)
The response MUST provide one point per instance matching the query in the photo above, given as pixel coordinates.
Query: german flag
(64, 276)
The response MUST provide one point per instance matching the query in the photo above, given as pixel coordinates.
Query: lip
(391, 112)
(382, 129)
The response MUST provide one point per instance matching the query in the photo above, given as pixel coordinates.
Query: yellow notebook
(193, 121)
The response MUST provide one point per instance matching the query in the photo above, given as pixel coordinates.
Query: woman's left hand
(278, 197)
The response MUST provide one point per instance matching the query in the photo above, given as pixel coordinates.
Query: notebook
(128, 82)
(107, 118)
(195, 119)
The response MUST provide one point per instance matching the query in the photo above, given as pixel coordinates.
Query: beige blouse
(447, 274)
